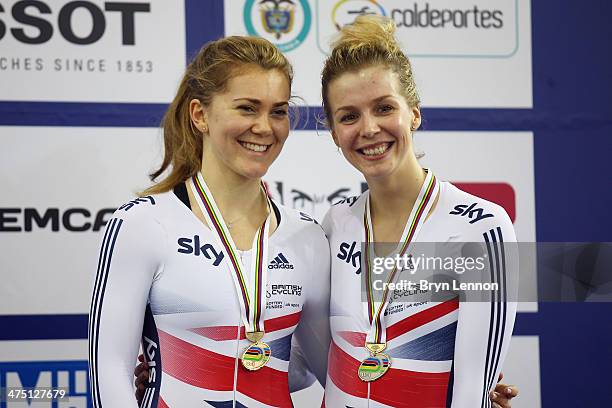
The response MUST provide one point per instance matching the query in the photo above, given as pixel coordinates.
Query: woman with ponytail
(203, 270)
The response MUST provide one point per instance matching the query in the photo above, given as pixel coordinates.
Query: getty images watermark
(487, 271)
(475, 271)
(409, 263)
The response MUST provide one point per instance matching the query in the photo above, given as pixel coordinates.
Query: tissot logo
(347, 253)
(471, 211)
(34, 24)
(193, 246)
(71, 219)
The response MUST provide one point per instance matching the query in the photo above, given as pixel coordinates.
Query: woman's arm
(313, 332)
(485, 325)
(128, 261)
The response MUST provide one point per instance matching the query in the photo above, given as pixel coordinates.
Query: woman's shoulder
(343, 211)
(474, 213)
(297, 221)
(147, 209)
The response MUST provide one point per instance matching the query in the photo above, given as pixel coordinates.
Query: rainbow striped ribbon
(375, 310)
(249, 288)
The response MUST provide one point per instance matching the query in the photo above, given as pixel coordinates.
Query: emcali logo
(471, 211)
(350, 256)
(192, 246)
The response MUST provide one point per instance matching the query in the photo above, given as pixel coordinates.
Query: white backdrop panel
(45, 271)
(465, 53)
(124, 52)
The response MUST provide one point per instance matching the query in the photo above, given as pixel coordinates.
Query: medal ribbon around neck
(377, 334)
(249, 288)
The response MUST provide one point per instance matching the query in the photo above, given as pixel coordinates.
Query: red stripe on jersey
(397, 388)
(342, 370)
(162, 404)
(220, 333)
(407, 324)
(194, 365)
(201, 368)
(421, 318)
(265, 385)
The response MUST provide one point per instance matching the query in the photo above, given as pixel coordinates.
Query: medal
(256, 356)
(249, 283)
(378, 363)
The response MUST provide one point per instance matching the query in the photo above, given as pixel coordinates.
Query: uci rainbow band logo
(277, 19)
(257, 352)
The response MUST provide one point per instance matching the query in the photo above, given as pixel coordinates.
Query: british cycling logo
(471, 211)
(276, 21)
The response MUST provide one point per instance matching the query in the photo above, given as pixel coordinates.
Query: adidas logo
(280, 262)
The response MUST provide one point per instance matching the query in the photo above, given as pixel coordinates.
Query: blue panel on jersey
(226, 404)
(435, 346)
(281, 348)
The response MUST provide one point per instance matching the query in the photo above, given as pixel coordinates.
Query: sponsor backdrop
(514, 111)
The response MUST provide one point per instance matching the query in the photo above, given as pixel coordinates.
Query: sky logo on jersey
(70, 376)
(280, 262)
(192, 246)
(139, 200)
(350, 256)
(471, 211)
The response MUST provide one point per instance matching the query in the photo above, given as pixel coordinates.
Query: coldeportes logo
(285, 23)
(345, 11)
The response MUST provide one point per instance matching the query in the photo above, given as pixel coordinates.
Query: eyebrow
(258, 102)
(347, 107)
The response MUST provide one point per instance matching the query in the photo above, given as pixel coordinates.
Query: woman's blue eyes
(252, 109)
(246, 108)
(347, 118)
(379, 109)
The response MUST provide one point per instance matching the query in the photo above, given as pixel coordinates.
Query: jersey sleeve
(313, 331)
(128, 262)
(485, 325)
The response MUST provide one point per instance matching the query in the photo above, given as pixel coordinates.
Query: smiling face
(246, 125)
(371, 121)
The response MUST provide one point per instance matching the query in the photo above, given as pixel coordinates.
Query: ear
(416, 118)
(199, 115)
(335, 137)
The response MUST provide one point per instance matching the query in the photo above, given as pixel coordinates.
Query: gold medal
(249, 283)
(256, 356)
(255, 336)
(376, 348)
(374, 367)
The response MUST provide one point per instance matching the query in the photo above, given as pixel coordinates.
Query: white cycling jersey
(162, 281)
(445, 353)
